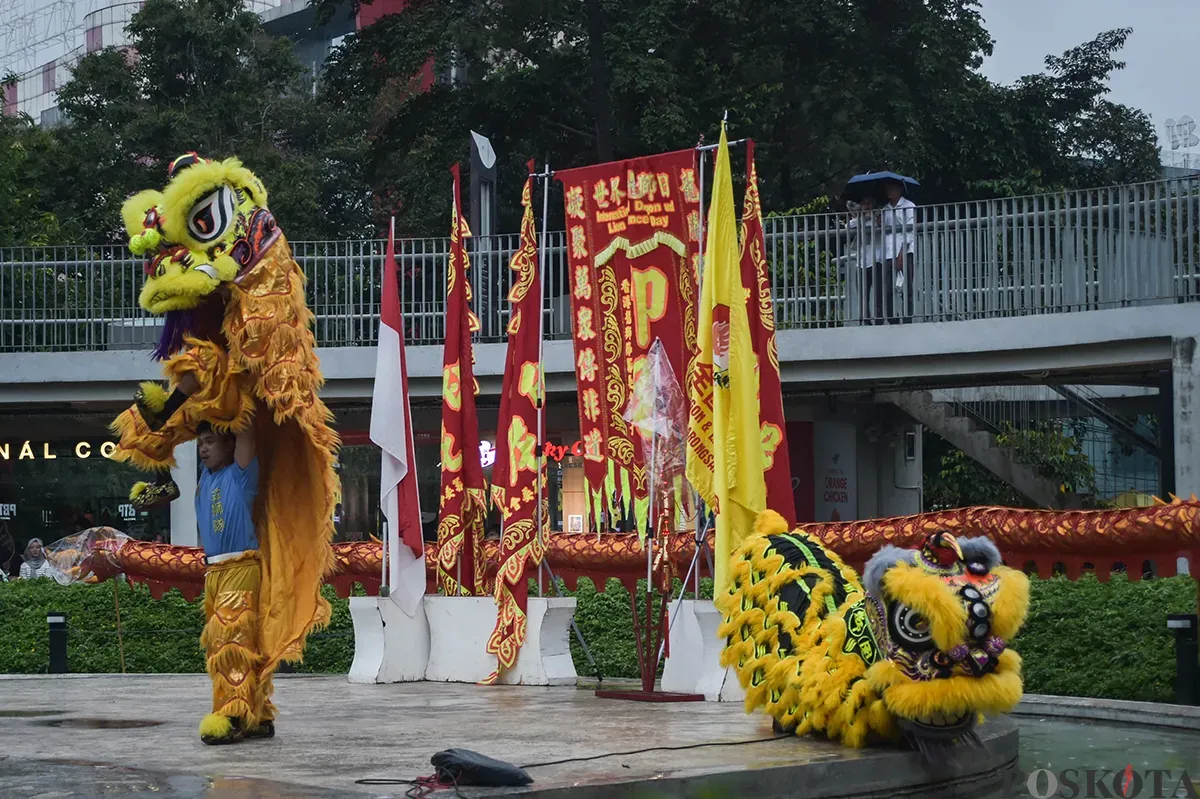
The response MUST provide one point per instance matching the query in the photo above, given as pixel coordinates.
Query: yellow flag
(728, 474)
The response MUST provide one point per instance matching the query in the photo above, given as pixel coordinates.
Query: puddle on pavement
(28, 714)
(101, 724)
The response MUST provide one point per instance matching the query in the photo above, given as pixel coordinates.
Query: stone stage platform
(114, 735)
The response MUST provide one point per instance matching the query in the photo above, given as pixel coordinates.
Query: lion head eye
(910, 627)
(212, 216)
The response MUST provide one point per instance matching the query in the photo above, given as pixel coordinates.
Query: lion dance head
(918, 653)
(204, 231)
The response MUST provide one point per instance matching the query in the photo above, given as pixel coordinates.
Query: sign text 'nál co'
(46, 451)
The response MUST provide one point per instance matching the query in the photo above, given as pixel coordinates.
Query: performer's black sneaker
(265, 729)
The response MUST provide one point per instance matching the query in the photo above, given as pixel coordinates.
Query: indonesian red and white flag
(391, 431)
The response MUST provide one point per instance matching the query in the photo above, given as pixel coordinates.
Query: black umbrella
(872, 184)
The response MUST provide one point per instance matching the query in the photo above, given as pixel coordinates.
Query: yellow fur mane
(812, 647)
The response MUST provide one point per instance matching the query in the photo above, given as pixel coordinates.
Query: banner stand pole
(542, 516)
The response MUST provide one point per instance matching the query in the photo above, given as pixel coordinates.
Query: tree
(23, 219)
(200, 75)
(827, 87)
(1048, 131)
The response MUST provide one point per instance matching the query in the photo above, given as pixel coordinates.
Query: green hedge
(1082, 638)
(1109, 640)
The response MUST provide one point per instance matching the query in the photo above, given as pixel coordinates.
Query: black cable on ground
(425, 782)
(657, 749)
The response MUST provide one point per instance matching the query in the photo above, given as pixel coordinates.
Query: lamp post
(1187, 657)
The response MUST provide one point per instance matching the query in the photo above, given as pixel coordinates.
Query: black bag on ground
(465, 767)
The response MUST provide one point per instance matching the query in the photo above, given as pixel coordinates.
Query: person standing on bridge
(864, 225)
(899, 239)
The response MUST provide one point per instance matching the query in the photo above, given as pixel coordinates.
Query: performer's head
(215, 447)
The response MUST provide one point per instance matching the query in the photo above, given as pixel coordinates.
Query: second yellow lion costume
(915, 650)
(236, 320)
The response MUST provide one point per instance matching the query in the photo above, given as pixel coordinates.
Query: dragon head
(943, 616)
(203, 230)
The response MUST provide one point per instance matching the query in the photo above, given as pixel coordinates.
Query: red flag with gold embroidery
(518, 454)
(761, 311)
(632, 242)
(462, 504)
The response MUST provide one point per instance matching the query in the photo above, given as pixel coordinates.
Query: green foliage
(1055, 454)
(160, 636)
(606, 621)
(1110, 640)
(1083, 638)
(953, 480)
(202, 75)
(24, 221)
(587, 82)
(828, 88)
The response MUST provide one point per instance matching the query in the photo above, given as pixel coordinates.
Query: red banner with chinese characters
(462, 503)
(518, 456)
(632, 245)
(761, 312)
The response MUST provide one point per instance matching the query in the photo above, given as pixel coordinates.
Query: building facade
(41, 41)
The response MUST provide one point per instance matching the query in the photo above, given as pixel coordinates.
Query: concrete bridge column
(183, 510)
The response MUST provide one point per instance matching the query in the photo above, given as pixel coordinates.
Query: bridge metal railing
(1052, 253)
(1121, 446)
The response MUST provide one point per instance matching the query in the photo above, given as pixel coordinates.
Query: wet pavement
(135, 735)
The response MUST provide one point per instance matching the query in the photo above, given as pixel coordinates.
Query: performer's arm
(155, 414)
(243, 448)
(188, 384)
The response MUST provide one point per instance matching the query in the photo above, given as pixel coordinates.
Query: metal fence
(1052, 253)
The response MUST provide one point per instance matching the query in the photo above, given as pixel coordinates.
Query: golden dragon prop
(1076, 540)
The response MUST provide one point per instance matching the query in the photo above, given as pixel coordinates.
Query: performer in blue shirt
(225, 516)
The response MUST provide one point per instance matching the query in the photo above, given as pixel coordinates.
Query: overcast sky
(1160, 75)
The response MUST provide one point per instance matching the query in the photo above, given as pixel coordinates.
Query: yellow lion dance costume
(237, 326)
(918, 655)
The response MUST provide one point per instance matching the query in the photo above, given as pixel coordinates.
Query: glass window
(52, 489)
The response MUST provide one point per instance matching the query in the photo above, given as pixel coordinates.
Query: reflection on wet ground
(1051, 744)
(61, 737)
(101, 724)
(39, 778)
(1058, 745)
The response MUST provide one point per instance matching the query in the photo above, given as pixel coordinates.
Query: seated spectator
(37, 565)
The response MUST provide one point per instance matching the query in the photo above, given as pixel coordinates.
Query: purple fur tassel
(176, 325)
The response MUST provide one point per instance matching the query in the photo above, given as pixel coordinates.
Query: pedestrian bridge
(1070, 252)
(1082, 286)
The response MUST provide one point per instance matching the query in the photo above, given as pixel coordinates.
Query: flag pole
(390, 563)
(541, 516)
(701, 527)
(458, 225)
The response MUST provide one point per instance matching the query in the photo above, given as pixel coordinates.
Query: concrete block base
(459, 627)
(389, 645)
(694, 665)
